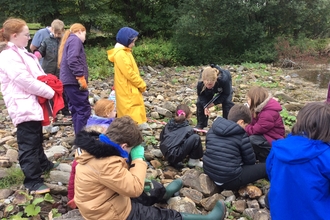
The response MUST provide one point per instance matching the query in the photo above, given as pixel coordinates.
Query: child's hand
(37, 54)
(137, 152)
(207, 112)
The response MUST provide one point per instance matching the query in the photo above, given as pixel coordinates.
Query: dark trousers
(260, 146)
(250, 174)
(142, 206)
(191, 147)
(79, 106)
(65, 110)
(202, 118)
(31, 155)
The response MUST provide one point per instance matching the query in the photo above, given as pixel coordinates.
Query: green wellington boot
(172, 188)
(218, 213)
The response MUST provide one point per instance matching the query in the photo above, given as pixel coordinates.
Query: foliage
(14, 176)
(156, 51)
(288, 119)
(29, 204)
(151, 140)
(99, 67)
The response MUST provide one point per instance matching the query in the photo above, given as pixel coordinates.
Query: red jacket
(52, 81)
(71, 180)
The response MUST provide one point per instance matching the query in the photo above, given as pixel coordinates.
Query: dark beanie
(126, 35)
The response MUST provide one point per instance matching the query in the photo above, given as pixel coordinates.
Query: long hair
(76, 27)
(313, 120)
(182, 113)
(9, 27)
(257, 95)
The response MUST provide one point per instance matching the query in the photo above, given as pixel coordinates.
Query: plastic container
(112, 95)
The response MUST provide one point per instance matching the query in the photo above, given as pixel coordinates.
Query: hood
(172, 125)
(298, 149)
(126, 35)
(269, 104)
(111, 53)
(224, 127)
(92, 147)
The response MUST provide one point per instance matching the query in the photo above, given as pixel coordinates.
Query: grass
(14, 176)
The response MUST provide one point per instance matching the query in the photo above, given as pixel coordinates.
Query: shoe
(42, 189)
(218, 213)
(55, 165)
(172, 188)
(195, 163)
(197, 127)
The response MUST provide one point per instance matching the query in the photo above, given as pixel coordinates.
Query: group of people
(108, 175)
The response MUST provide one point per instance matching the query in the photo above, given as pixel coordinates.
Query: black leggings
(250, 173)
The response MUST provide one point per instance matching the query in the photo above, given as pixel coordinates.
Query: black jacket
(49, 51)
(227, 148)
(173, 136)
(222, 87)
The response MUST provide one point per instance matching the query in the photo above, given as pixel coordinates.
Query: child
(49, 51)
(178, 139)
(74, 74)
(104, 115)
(20, 88)
(213, 89)
(128, 82)
(105, 112)
(267, 123)
(299, 167)
(105, 183)
(229, 159)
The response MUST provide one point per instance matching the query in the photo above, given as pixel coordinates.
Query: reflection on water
(320, 77)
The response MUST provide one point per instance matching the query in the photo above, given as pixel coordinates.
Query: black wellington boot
(218, 213)
(172, 188)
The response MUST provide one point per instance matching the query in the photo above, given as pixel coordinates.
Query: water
(320, 77)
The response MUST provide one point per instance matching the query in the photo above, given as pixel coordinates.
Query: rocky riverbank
(167, 87)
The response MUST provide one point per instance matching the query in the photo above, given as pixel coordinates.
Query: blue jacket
(73, 62)
(299, 173)
(97, 120)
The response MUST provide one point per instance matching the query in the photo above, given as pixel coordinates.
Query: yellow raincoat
(128, 84)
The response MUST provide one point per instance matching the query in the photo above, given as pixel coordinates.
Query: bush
(99, 67)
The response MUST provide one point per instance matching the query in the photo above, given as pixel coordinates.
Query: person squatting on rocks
(105, 113)
(74, 74)
(267, 124)
(20, 88)
(299, 167)
(229, 159)
(48, 50)
(110, 177)
(178, 139)
(127, 80)
(215, 87)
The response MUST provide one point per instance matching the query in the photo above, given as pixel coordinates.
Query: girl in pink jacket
(20, 88)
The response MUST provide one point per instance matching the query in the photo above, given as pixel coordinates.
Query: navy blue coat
(228, 147)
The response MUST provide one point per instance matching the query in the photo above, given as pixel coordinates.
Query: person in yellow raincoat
(127, 80)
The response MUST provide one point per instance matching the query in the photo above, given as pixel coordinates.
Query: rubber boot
(172, 188)
(218, 213)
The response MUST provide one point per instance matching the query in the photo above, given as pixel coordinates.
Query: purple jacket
(73, 62)
(268, 122)
(97, 120)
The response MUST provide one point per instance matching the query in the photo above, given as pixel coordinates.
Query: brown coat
(104, 186)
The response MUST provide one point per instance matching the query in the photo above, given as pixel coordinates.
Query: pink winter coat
(268, 122)
(19, 70)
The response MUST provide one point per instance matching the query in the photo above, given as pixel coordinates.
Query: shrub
(99, 66)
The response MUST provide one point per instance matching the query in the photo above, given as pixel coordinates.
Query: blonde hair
(209, 74)
(57, 25)
(11, 26)
(104, 107)
(76, 27)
